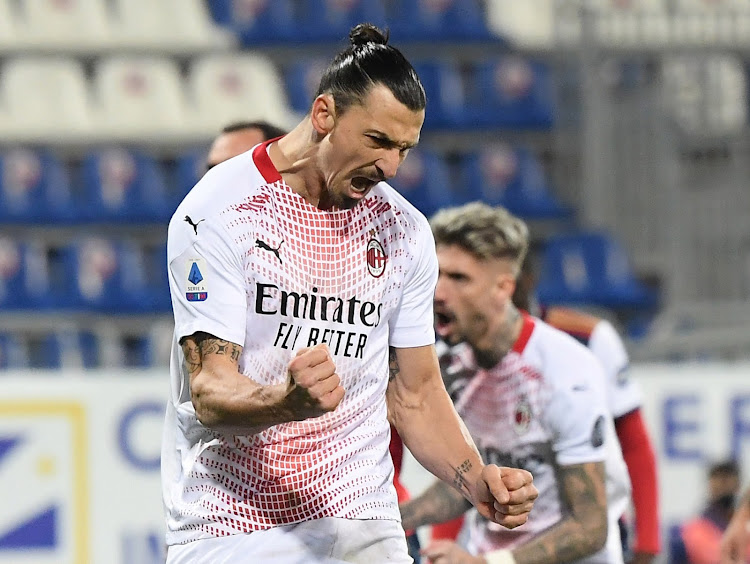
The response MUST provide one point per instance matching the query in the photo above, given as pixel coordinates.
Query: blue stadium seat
(506, 92)
(331, 20)
(12, 354)
(257, 21)
(442, 86)
(34, 187)
(514, 179)
(424, 179)
(591, 268)
(137, 351)
(437, 20)
(12, 275)
(124, 185)
(302, 79)
(44, 352)
(188, 169)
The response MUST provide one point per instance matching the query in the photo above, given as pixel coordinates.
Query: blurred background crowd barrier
(618, 129)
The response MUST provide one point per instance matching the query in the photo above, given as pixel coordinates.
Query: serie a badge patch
(197, 288)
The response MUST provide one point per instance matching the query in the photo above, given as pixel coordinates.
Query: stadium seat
(124, 185)
(231, 87)
(590, 268)
(45, 98)
(12, 353)
(507, 92)
(444, 90)
(175, 26)
(437, 20)
(34, 187)
(258, 21)
(424, 179)
(631, 23)
(70, 25)
(331, 20)
(189, 167)
(301, 81)
(512, 178)
(12, 275)
(9, 22)
(527, 25)
(140, 99)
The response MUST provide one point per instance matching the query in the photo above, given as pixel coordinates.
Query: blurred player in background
(235, 139)
(302, 292)
(238, 137)
(537, 400)
(735, 542)
(624, 402)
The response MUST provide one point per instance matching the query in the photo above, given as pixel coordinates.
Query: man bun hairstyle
(367, 61)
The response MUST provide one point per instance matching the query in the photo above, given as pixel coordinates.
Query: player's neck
(294, 156)
(502, 341)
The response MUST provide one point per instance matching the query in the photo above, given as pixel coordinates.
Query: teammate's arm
(437, 504)
(424, 416)
(734, 541)
(584, 530)
(228, 401)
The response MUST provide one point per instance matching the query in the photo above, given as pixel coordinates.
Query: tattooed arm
(583, 531)
(226, 400)
(424, 416)
(437, 504)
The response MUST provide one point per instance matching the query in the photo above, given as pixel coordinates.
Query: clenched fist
(505, 495)
(313, 387)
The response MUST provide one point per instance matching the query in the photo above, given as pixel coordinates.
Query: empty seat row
(87, 26)
(497, 91)
(293, 21)
(135, 98)
(88, 273)
(73, 349)
(117, 184)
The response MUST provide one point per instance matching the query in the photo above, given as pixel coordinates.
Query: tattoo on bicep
(459, 479)
(393, 368)
(197, 346)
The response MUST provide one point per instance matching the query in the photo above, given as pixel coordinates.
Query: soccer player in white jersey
(536, 401)
(302, 293)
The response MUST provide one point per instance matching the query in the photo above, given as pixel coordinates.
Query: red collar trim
(263, 162)
(526, 330)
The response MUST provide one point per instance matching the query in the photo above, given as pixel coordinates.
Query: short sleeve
(206, 280)
(412, 325)
(622, 392)
(577, 412)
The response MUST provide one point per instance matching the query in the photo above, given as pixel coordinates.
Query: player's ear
(323, 114)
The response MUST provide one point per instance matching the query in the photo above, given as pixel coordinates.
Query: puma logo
(266, 247)
(194, 225)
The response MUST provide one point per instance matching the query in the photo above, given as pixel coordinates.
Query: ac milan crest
(376, 258)
(522, 416)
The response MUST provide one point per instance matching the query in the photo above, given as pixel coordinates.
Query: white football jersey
(253, 263)
(544, 406)
(623, 394)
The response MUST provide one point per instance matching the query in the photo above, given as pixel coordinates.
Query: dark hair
(269, 131)
(369, 60)
(724, 468)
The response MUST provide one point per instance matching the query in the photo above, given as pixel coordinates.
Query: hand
(735, 539)
(314, 388)
(448, 552)
(505, 495)
(642, 558)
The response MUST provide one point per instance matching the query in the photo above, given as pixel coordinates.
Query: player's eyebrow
(388, 142)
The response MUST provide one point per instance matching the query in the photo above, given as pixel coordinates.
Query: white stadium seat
(712, 21)
(139, 98)
(168, 25)
(528, 24)
(8, 26)
(73, 25)
(46, 98)
(225, 88)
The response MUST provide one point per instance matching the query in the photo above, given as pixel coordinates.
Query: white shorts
(330, 540)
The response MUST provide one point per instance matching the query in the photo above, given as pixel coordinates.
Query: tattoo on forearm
(393, 368)
(583, 530)
(438, 504)
(459, 481)
(197, 346)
